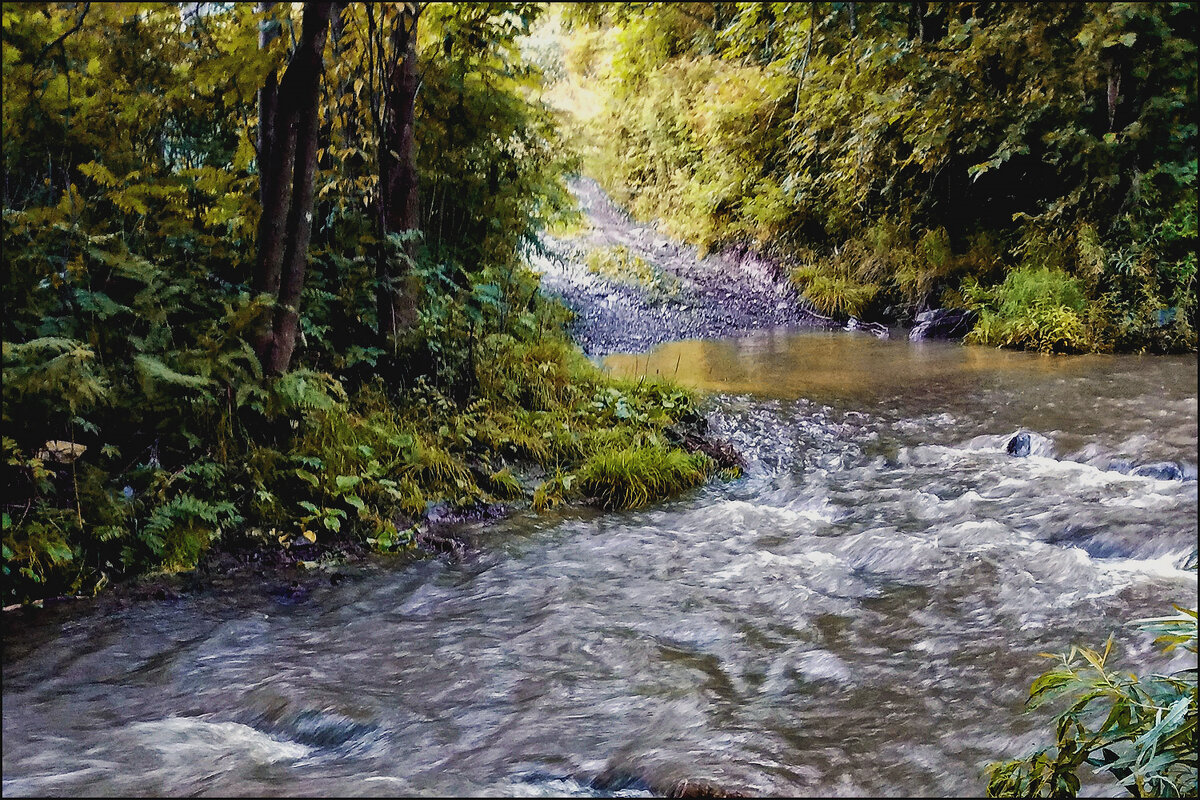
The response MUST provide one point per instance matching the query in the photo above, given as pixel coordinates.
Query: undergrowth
(151, 465)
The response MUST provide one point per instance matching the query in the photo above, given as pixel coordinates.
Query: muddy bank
(714, 296)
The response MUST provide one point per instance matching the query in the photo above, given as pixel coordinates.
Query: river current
(859, 614)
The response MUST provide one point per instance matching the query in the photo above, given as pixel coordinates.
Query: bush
(1038, 309)
(1141, 731)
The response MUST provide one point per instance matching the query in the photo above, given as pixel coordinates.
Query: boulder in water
(1019, 445)
(942, 323)
(1162, 471)
(1025, 443)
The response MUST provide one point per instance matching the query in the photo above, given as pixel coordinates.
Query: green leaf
(154, 371)
(346, 482)
(1172, 718)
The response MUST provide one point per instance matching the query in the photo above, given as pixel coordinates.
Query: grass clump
(622, 265)
(631, 477)
(1035, 309)
(833, 294)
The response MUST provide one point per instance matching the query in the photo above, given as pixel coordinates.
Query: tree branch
(74, 29)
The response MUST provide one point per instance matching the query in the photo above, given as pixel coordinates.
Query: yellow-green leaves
(1142, 731)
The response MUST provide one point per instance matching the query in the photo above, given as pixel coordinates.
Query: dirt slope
(715, 296)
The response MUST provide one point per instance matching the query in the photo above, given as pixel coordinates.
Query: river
(859, 614)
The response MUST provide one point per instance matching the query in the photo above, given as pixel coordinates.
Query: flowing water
(859, 614)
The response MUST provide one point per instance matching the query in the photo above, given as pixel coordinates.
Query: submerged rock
(1163, 471)
(326, 729)
(1121, 465)
(619, 781)
(942, 323)
(289, 594)
(623, 781)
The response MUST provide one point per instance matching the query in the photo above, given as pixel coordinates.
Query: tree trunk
(398, 175)
(267, 98)
(275, 157)
(286, 224)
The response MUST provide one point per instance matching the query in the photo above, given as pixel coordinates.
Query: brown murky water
(858, 615)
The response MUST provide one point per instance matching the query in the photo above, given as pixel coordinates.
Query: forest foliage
(147, 413)
(171, 380)
(904, 156)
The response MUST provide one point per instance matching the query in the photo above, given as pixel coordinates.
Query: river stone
(942, 323)
(1025, 443)
(1019, 445)
(1163, 471)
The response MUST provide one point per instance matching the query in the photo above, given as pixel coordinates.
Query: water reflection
(1098, 400)
(824, 365)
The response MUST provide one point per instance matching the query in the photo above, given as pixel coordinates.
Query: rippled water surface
(859, 614)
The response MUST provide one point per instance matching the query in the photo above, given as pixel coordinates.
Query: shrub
(1141, 731)
(1039, 309)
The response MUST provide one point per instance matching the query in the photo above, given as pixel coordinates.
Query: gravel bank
(720, 295)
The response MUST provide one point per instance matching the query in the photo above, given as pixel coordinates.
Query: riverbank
(544, 431)
(631, 287)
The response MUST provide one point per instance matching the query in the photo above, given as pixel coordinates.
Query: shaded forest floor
(632, 287)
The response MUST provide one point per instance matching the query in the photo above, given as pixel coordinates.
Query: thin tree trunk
(398, 174)
(268, 97)
(295, 153)
(276, 155)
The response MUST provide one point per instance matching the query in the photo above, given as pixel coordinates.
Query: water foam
(187, 738)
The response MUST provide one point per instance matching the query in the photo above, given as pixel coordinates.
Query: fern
(305, 390)
(58, 367)
(154, 373)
